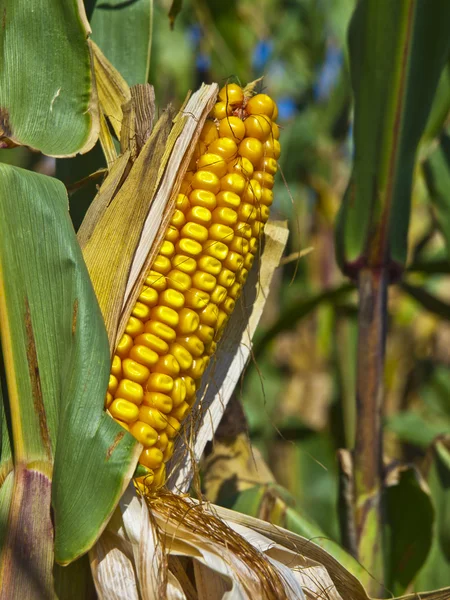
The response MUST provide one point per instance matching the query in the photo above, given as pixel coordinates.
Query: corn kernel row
(197, 275)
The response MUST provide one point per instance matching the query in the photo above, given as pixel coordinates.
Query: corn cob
(197, 275)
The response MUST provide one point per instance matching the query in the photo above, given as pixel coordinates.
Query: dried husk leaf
(113, 91)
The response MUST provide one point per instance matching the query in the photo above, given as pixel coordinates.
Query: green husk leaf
(56, 359)
(123, 30)
(51, 109)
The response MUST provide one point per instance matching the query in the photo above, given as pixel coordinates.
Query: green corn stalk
(397, 53)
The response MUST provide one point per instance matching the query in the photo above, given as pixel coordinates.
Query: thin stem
(368, 453)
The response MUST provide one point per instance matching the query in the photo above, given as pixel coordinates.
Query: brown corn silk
(196, 276)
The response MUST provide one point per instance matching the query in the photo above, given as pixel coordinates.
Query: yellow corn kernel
(233, 182)
(131, 391)
(153, 417)
(220, 232)
(178, 394)
(165, 315)
(253, 192)
(268, 165)
(141, 312)
(188, 322)
(196, 299)
(221, 110)
(232, 94)
(153, 342)
(167, 249)
(116, 367)
(224, 147)
(191, 388)
(159, 382)
(124, 346)
(228, 199)
(209, 132)
(205, 333)
(112, 384)
(173, 427)
(200, 215)
(275, 112)
(185, 187)
(265, 179)
(232, 127)
(156, 281)
(215, 249)
(242, 276)
(109, 398)
(184, 263)
(209, 265)
(182, 203)
(208, 316)
(187, 246)
(193, 345)
(122, 424)
(272, 148)
(253, 245)
(211, 348)
(228, 305)
(162, 442)
(143, 355)
(172, 299)
(134, 326)
(251, 149)
(222, 319)
(226, 278)
(233, 261)
(134, 371)
(266, 197)
(248, 261)
(275, 131)
(206, 180)
(263, 213)
(124, 410)
(261, 104)
(243, 229)
(239, 244)
(172, 234)
(218, 294)
(149, 296)
(247, 212)
(151, 458)
(168, 452)
(181, 411)
(204, 281)
(194, 231)
(198, 368)
(203, 198)
(224, 215)
(257, 229)
(241, 165)
(145, 481)
(167, 365)
(160, 330)
(258, 126)
(178, 219)
(182, 355)
(212, 163)
(234, 291)
(144, 433)
(161, 402)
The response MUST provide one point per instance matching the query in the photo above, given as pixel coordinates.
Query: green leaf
(437, 175)
(396, 55)
(57, 364)
(47, 95)
(440, 107)
(410, 518)
(123, 31)
(175, 9)
(427, 300)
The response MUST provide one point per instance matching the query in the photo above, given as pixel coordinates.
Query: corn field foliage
(338, 429)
